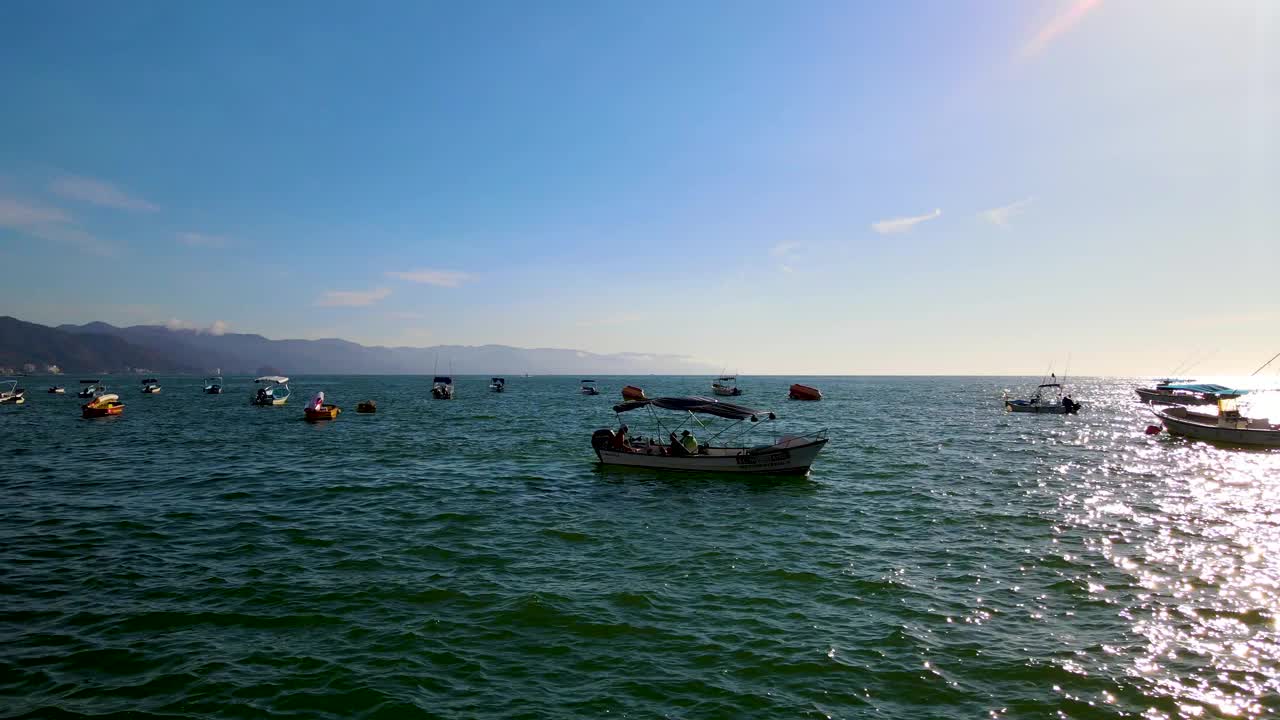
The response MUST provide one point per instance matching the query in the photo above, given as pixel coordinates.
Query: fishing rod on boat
(1265, 364)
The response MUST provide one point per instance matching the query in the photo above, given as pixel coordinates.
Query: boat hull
(631, 392)
(1255, 433)
(726, 391)
(57, 391)
(1023, 406)
(151, 391)
(213, 391)
(442, 392)
(367, 407)
(102, 407)
(590, 391)
(776, 460)
(1163, 398)
(804, 392)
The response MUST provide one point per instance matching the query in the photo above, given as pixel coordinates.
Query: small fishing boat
(103, 405)
(1228, 426)
(803, 392)
(318, 409)
(1049, 398)
(274, 391)
(589, 387)
(90, 389)
(498, 384)
(631, 392)
(12, 394)
(442, 387)
(726, 385)
(150, 386)
(57, 390)
(368, 406)
(1169, 392)
(213, 385)
(786, 455)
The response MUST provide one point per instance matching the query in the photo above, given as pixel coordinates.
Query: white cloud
(353, 298)
(427, 276)
(219, 327)
(48, 223)
(97, 192)
(200, 240)
(1002, 215)
(902, 224)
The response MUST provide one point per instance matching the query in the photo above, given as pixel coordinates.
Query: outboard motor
(601, 438)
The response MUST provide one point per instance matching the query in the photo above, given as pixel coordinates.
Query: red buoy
(1153, 429)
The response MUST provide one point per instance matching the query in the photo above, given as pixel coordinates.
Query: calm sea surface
(199, 557)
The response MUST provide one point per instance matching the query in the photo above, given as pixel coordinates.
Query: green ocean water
(199, 557)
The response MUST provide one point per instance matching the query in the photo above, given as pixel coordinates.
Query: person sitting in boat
(689, 442)
(677, 447)
(317, 402)
(263, 395)
(620, 441)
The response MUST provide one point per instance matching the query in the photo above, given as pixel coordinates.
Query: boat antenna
(1265, 364)
(1066, 370)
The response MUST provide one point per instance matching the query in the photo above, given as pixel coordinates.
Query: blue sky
(793, 188)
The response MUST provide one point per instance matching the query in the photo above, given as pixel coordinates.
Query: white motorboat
(11, 394)
(1049, 398)
(1228, 426)
(274, 390)
(91, 388)
(726, 385)
(589, 387)
(498, 384)
(442, 387)
(57, 390)
(150, 386)
(787, 455)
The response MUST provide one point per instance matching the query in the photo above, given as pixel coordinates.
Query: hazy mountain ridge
(98, 346)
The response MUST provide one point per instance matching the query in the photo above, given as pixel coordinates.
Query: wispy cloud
(200, 240)
(903, 224)
(783, 249)
(1059, 25)
(50, 224)
(427, 276)
(97, 192)
(1002, 215)
(353, 298)
(217, 327)
(610, 320)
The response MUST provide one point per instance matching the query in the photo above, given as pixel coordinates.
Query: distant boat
(12, 395)
(442, 387)
(104, 405)
(498, 384)
(1228, 426)
(150, 386)
(1050, 398)
(803, 392)
(274, 391)
(368, 406)
(57, 390)
(318, 409)
(726, 385)
(589, 387)
(631, 392)
(91, 388)
(213, 385)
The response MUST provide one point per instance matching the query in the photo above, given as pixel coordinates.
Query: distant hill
(97, 346)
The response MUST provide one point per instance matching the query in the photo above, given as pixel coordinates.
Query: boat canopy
(1206, 388)
(442, 379)
(698, 404)
(726, 377)
(1049, 385)
(277, 379)
(86, 382)
(587, 381)
(148, 381)
(498, 380)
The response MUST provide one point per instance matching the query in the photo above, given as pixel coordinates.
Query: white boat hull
(782, 459)
(726, 392)
(1255, 433)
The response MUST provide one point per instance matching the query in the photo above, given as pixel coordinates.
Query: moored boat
(150, 386)
(1050, 398)
(274, 391)
(1228, 426)
(1167, 392)
(368, 406)
(498, 384)
(589, 387)
(318, 409)
(726, 385)
(631, 392)
(103, 405)
(213, 385)
(57, 390)
(90, 389)
(442, 387)
(804, 392)
(12, 394)
(787, 455)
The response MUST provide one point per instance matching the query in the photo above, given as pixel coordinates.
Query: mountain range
(99, 347)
